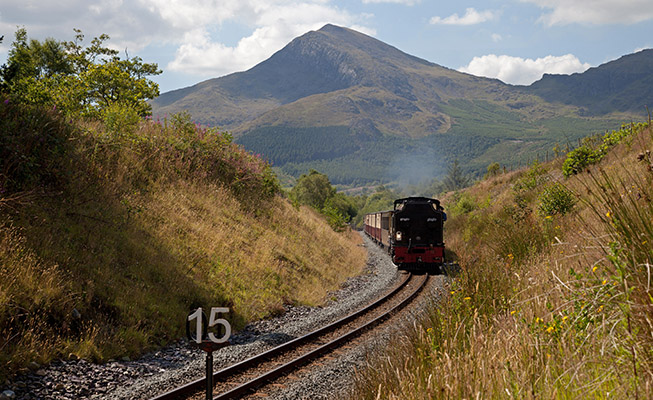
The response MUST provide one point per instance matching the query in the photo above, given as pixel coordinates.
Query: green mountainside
(364, 112)
(625, 84)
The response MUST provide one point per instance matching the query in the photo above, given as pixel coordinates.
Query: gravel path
(179, 363)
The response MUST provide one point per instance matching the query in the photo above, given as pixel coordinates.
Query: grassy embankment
(110, 232)
(555, 297)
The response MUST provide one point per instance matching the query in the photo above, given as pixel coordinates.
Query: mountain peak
(328, 60)
(332, 28)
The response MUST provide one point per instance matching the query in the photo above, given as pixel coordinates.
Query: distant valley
(364, 112)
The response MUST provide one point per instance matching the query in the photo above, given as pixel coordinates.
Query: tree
(313, 190)
(456, 178)
(344, 204)
(80, 80)
(492, 170)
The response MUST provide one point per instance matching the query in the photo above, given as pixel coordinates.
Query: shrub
(336, 220)
(532, 178)
(578, 159)
(556, 199)
(492, 170)
(464, 205)
(596, 147)
(120, 120)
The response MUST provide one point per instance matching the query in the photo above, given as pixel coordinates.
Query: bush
(336, 220)
(591, 152)
(578, 159)
(492, 170)
(120, 120)
(556, 199)
(464, 205)
(531, 178)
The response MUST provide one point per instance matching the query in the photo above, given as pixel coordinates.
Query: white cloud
(597, 12)
(275, 26)
(520, 71)
(496, 37)
(471, 17)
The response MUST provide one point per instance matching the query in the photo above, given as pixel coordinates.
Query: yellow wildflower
(608, 214)
(548, 217)
(550, 329)
(595, 268)
(512, 312)
(467, 298)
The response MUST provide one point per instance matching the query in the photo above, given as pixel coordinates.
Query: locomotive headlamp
(398, 236)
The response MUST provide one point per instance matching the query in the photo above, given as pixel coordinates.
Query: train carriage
(378, 226)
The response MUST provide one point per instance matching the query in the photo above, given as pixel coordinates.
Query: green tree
(492, 170)
(455, 178)
(313, 190)
(382, 199)
(344, 204)
(80, 80)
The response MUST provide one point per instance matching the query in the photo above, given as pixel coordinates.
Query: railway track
(243, 377)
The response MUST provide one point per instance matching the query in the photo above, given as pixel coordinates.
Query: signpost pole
(209, 375)
(208, 342)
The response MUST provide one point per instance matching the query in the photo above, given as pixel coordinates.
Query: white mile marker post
(206, 340)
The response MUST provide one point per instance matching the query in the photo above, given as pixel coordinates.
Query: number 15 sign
(202, 327)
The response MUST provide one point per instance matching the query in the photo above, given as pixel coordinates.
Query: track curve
(193, 389)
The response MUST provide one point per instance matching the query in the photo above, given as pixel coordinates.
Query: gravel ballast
(179, 363)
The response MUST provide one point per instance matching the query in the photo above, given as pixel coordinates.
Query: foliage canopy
(314, 189)
(78, 79)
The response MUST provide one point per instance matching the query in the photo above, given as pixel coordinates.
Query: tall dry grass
(546, 306)
(139, 222)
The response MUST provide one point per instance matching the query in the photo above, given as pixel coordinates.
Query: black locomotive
(412, 232)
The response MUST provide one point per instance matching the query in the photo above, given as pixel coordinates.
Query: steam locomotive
(412, 232)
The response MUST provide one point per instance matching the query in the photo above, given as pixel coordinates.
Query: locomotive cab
(417, 233)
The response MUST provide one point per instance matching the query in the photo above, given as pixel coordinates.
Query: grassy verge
(113, 230)
(554, 300)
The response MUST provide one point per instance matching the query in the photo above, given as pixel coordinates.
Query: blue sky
(194, 40)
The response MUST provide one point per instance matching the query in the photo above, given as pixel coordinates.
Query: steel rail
(305, 358)
(197, 385)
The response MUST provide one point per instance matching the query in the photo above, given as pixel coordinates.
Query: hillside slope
(336, 83)
(625, 84)
(109, 237)
(553, 296)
